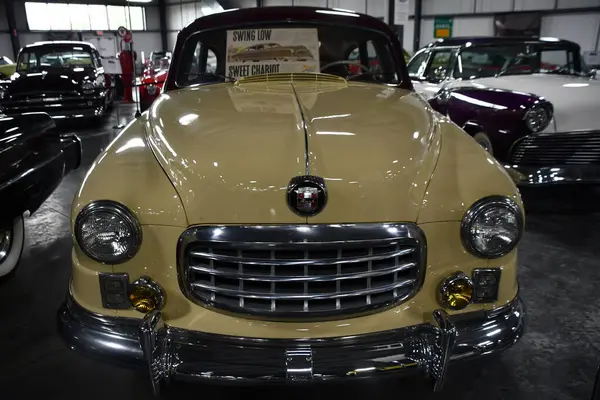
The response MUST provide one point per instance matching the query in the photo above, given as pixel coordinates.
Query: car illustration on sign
(272, 51)
(293, 227)
(530, 102)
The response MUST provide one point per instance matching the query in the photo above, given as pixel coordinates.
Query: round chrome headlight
(492, 227)
(87, 85)
(538, 117)
(108, 232)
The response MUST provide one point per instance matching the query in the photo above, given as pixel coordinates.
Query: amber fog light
(456, 291)
(146, 295)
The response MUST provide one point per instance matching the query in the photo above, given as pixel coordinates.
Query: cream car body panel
(412, 165)
(225, 175)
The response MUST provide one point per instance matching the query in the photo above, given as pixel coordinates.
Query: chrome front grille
(573, 148)
(302, 271)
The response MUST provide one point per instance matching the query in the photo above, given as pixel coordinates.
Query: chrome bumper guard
(172, 353)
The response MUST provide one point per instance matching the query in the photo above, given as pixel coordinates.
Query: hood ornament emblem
(307, 195)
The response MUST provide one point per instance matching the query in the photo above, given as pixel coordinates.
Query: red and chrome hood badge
(307, 195)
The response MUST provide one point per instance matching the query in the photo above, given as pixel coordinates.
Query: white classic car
(532, 103)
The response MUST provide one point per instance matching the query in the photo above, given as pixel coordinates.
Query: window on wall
(76, 11)
(83, 17)
(98, 17)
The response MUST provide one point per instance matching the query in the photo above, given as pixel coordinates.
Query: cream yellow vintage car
(293, 226)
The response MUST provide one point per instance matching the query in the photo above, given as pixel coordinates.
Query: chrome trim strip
(343, 235)
(324, 261)
(311, 296)
(292, 278)
(305, 129)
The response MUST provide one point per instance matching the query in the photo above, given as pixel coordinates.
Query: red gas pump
(126, 60)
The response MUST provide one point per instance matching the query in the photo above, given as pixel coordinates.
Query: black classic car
(34, 157)
(531, 102)
(65, 79)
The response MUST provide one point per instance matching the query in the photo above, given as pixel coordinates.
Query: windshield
(350, 52)
(488, 61)
(42, 58)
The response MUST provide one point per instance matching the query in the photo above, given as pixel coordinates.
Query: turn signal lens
(456, 291)
(146, 295)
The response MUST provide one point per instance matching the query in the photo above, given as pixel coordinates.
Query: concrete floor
(556, 359)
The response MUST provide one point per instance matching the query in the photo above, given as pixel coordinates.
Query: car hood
(575, 99)
(50, 80)
(231, 150)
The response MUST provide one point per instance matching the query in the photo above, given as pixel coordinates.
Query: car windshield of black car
(350, 52)
(36, 60)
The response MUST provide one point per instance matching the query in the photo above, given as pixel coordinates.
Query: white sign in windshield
(271, 51)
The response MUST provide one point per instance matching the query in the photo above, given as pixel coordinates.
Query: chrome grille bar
(304, 278)
(311, 296)
(303, 261)
(302, 271)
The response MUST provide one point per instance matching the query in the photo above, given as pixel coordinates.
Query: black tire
(485, 142)
(11, 256)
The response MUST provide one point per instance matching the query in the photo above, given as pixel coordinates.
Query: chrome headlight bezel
(538, 117)
(121, 212)
(88, 85)
(484, 204)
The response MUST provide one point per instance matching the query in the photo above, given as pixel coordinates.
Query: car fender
(32, 162)
(496, 112)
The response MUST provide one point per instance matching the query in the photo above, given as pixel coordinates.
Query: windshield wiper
(374, 74)
(512, 64)
(563, 70)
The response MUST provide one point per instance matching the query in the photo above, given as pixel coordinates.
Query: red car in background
(152, 81)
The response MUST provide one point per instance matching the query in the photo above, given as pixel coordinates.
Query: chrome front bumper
(524, 175)
(172, 353)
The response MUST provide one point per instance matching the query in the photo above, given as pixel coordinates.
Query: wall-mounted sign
(442, 27)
